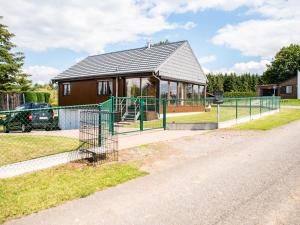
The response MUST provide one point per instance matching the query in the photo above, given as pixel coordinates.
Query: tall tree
(12, 78)
(284, 66)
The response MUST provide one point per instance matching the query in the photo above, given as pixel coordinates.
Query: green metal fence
(28, 133)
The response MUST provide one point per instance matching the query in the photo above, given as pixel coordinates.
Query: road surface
(222, 177)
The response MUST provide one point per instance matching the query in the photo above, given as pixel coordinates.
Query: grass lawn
(290, 102)
(285, 116)
(19, 147)
(226, 113)
(33, 192)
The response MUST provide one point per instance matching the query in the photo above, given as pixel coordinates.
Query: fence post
(250, 108)
(141, 114)
(112, 116)
(260, 105)
(164, 114)
(99, 126)
(236, 108)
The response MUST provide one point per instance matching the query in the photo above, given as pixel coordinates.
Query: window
(189, 91)
(164, 89)
(149, 87)
(105, 87)
(289, 89)
(173, 90)
(67, 89)
(196, 91)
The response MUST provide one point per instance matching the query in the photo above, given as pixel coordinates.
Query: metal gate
(96, 137)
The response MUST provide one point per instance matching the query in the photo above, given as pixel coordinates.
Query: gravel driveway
(221, 177)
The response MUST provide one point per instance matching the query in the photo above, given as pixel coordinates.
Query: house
(286, 89)
(169, 70)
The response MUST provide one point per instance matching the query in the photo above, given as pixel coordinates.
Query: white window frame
(98, 89)
(66, 91)
(289, 89)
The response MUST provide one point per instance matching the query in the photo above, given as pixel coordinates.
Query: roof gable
(182, 65)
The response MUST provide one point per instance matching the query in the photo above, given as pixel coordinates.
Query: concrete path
(290, 107)
(222, 177)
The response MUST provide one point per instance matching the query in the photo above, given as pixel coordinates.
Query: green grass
(269, 122)
(19, 147)
(290, 102)
(33, 192)
(226, 113)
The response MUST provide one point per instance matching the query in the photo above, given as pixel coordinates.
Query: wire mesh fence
(37, 129)
(96, 137)
(137, 114)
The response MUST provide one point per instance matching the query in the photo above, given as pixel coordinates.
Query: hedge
(31, 96)
(239, 94)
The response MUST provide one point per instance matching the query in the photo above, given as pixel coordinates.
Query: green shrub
(47, 97)
(30, 96)
(239, 94)
(40, 96)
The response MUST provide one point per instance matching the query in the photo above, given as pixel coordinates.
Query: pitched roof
(128, 61)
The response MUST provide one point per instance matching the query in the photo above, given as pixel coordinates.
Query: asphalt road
(225, 178)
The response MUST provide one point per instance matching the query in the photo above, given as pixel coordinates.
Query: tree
(12, 78)
(284, 65)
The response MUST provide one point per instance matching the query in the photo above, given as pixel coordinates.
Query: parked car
(30, 116)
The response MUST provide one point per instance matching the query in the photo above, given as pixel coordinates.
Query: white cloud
(252, 67)
(89, 25)
(81, 25)
(264, 37)
(207, 59)
(41, 74)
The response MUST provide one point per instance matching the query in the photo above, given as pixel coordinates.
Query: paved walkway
(222, 177)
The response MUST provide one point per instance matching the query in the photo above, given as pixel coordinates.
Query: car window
(40, 105)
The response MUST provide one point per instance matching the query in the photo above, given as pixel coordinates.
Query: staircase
(132, 113)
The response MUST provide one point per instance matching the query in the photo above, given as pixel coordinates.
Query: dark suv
(30, 116)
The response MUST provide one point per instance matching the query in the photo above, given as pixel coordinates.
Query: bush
(47, 97)
(40, 97)
(239, 94)
(30, 96)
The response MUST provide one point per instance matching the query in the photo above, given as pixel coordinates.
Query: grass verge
(33, 192)
(285, 116)
(290, 102)
(19, 147)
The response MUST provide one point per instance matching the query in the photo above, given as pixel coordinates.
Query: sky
(226, 35)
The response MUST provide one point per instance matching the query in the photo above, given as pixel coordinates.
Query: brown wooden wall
(282, 89)
(83, 92)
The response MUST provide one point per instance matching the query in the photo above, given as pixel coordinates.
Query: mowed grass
(285, 116)
(33, 192)
(19, 147)
(226, 113)
(290, 102)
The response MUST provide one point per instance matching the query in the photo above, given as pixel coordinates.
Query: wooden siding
(82, 92)
(282, 88)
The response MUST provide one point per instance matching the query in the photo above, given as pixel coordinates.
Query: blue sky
(240, 36)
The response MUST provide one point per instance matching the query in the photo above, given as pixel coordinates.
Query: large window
(196, 94)
(133, 87)
(105, 87)
(189, 91)
(173, 90)
(149, 87)
(66, 89)
(164, 89)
